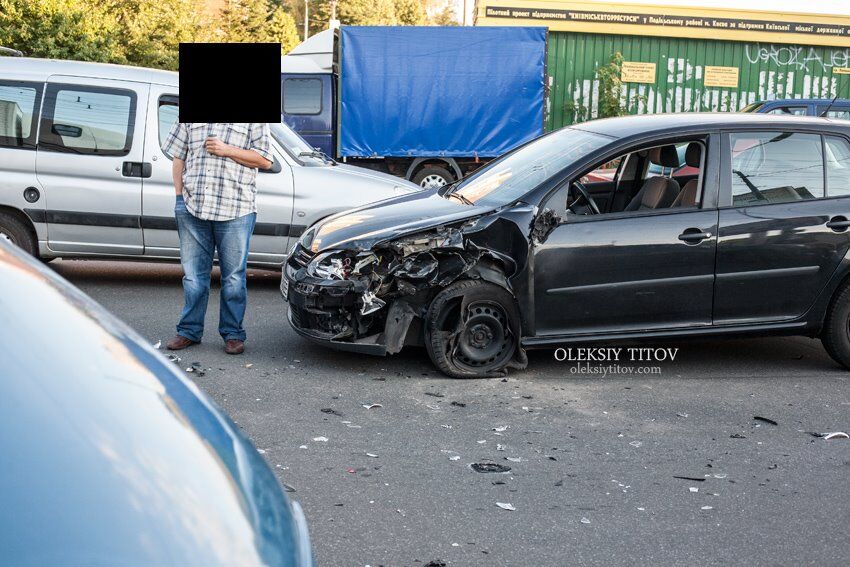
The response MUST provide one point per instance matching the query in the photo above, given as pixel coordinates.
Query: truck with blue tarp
(429, 104)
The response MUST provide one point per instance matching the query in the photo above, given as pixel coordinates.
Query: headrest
(693, 155)
(659, 193)
(665, 156)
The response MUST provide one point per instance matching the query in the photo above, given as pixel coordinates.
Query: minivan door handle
(694, 236)
(136, 169)
(838, 223)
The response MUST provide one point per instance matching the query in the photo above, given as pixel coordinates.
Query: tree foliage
(410, 13)
(611, 96)
(244, 21)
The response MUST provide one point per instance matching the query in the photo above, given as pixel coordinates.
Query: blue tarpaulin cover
(440, 91)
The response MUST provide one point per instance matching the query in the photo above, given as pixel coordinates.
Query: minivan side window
(837, 166)
(776, 167)
(302, 96)
(167, 115)
(83, 119)
(19, 104)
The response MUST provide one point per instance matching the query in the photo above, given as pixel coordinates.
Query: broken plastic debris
(693, 489)
(370, 406)
(737, 436)
(835, 435)
(249, 365)
(764, 419)
(707, 508)
(288, 488)
(373, 455)
(489, 467)
(584, 521)
(500, 447)
(321, 439)
(157, 344)
(302, 446)
(506, 506)
(173, 358)
(454, 458)
(514, 459)
(458, 404)
(330, 411)
(635, 443)
(693, 478)
(261, 451)
(435, 394)
(501, 428)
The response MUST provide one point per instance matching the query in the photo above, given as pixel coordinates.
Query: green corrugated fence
(765, 71)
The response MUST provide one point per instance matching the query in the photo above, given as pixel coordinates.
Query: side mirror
(67, 131)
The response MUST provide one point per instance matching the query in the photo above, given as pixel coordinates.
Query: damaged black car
(621, 230)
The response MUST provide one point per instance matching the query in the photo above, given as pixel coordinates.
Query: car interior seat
(657, 192)
(688, 195)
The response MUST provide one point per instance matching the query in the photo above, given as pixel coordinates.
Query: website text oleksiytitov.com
(603, 361)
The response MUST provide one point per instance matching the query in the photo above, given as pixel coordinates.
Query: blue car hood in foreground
(362, 228)
(110, 455)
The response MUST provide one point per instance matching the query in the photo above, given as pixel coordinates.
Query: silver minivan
(83, 174)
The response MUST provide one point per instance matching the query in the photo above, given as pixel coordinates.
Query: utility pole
(306, 19)
(464, 13)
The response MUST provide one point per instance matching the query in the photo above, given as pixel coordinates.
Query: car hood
(371, 176)
(362, 228)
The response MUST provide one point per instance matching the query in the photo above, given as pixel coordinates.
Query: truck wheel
(472, 330)
(14, 231)
(433, 177)
(835, 334)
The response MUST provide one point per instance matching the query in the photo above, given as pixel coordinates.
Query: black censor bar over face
(229, 82)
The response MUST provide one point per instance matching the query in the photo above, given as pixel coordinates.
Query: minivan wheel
(835, 335)
(14, 231)
(472, 330)
(433, 177)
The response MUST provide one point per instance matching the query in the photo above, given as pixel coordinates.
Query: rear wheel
(835, 335)
(15, 231)
(433, 177)
(472, 330)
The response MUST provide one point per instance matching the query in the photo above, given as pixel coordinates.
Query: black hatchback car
(587, 235)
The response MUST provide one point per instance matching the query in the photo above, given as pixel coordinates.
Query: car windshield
(509, 178)
(296, 145)
(752, 107)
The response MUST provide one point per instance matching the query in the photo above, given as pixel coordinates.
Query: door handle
(838, 223)
(136, 169)
(694, 236)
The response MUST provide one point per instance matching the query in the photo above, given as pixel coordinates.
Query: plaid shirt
(217, 188)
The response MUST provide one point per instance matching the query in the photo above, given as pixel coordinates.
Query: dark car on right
(827, 108)
(539, 249)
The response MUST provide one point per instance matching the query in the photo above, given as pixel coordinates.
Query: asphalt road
(593, 458)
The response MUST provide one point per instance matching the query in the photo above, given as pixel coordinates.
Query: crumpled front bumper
(321, 310)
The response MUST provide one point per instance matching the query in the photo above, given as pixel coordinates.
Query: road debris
(737, 436)
(330, 411)
(435, 394)
(635, 443)
(370, 406)
(454, 458)
(458, 404)
(693, 478)
(373, 455)
(436, 563)
(320, 439)
(707, 508)
(196, 369)
(157, 344)
(501, 428)
(584, 521)
(249, 365)
(489, 467)
(287, 487)
(173, 358)
(693, 489)
(764, 420)
(506, 506)
(514, 459)
(835, 435)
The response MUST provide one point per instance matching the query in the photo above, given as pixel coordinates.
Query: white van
(82, 172)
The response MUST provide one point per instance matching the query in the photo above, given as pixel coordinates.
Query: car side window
(837, 166)
(167, 112)
(302, 96)
(83, 119)
(789, 111)
(19, 104)
(776, 167)
(839, 113)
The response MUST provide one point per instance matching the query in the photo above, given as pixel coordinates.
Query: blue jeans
(199, 239)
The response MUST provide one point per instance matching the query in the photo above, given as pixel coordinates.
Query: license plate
(284, 288)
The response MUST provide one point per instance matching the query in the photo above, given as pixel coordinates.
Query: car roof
(104, 441)
(34, 69)
(627, 126)
(800, 101)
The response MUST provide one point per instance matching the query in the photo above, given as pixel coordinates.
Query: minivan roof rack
(10, 51)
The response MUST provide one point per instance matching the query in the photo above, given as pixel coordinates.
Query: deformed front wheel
(472, 330)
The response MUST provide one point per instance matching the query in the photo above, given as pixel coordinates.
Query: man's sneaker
(234, 346)
(179, 342)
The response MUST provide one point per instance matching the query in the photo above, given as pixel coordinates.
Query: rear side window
(839, 113)
(88, 120)
(776, 167)
(837, 166)
(302, 96)
(19, 104)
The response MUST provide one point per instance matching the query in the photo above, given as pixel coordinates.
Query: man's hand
(218, 148)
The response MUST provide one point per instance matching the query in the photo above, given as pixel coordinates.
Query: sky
(841, 7)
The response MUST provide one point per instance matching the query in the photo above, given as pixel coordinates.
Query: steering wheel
(583, 196)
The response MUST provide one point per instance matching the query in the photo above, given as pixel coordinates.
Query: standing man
(215, 172)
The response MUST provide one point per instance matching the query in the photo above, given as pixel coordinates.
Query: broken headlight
(334, 265)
